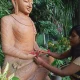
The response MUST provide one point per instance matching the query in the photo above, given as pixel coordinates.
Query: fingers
(29, 56)
(45, 51)
(37, 60)
(35, 53)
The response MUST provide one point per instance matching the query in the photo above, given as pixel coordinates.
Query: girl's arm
(53, 54)
(60, 56)
(57, 55)
(69, 70)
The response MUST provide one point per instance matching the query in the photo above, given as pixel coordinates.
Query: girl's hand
(35, 53)
(38, 60)
(43, 51)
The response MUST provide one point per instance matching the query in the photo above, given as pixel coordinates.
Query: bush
(3, 76)
(60, 46)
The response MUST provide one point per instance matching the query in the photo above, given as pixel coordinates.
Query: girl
(73, 69)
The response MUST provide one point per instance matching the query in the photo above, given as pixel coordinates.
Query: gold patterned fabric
(77, 61)
(76, 76)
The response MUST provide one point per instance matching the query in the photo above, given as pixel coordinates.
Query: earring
(15, 2)
(16, 7)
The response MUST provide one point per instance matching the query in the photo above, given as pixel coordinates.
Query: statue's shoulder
(7, 18)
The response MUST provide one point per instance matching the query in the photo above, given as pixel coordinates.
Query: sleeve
(77, 61)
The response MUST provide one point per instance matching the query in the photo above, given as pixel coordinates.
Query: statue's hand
(35, 53)
(30, 56)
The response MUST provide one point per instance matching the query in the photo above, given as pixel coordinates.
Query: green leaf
(11, 76)
(6, 70)
(15, 78)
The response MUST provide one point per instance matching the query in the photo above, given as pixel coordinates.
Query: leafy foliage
(56, 12)
(3, 76)
(1, 56)
(60, 46)
(5, 6)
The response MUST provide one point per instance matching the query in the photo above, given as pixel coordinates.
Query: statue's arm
(36, 47)
(8, 40)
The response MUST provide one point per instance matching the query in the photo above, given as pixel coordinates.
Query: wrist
(48, 52)
(41, 63)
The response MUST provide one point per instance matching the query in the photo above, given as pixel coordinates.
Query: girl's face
(74, 39)
(25, 6)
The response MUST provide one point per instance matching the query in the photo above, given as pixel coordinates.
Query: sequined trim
(77, 76)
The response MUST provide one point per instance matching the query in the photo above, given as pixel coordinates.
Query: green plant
(3, 76)
(1, 56)
(5, 6)
(60, 46)
(40, 39)
(57, 12)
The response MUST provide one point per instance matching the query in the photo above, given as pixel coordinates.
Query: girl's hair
(75, 51)
(75, 28)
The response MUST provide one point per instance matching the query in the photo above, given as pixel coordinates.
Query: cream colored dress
(76, 76)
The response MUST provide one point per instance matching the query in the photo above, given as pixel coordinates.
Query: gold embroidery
(77, 76)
